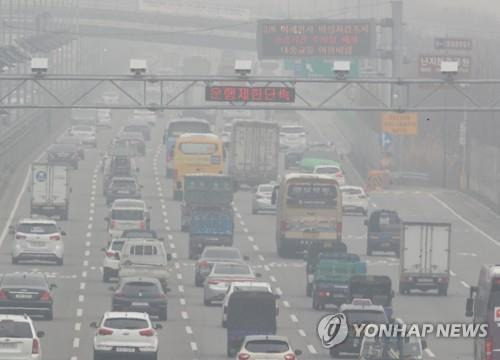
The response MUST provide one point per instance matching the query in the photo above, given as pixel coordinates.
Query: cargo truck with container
(50, 190)
(425, 257)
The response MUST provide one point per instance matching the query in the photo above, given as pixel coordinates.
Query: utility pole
(397, 56)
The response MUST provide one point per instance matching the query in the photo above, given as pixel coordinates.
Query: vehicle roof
(351, 307)
(135, 241)
(351, 187)
(128, 203)
(36, 221)
(304, 176)
(25, 274)
(18, 318)
(62, 145)
(251, 284)
(139, 278)
(255, 122)
(207, 175)
(327, 165)
(198, 135)
(292, 126)
(130, 178)
(188, 119)
(129, 135)
(266, 337)
(126, 314)
(221, 248)
(83, 126)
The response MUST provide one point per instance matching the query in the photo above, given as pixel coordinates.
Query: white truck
(254, 152)
(425, 257)
(50, 190)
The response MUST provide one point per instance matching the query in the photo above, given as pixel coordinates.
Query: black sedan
(26, 293)
(140, 294)
(63, 154)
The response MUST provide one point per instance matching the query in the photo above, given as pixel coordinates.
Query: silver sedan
(262, 199)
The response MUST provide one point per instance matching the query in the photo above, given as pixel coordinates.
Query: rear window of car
(126, 323)
(267, 346)
(143, 250)
(266, 188)
(127, 214)
(327, 170)
(117, 245)
(38, 229)
(352, 191)
(140, 288)
(232, 269)
(222, 254)
(20, 279)
(62, 147)
(365, 316)
(15, 329)
(124, 183)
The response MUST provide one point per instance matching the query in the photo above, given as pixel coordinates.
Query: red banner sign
(250, 94)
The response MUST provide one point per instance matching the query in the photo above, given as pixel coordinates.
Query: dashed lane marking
(272, 278)
(429, 353)
(302, 333)
(256, 247)
(79, 312)
(245, 230)
(189, 331)
(82, 286)
(78, 326)
(81, 298)
(181, 288)
(84, 274)
(76, 343)
(179, 276)
(89, 234)
(85, 263)
(294, 318)
(182, 301)
(250, 238)
(87, 252)
(286, 304)
(261, 258)
(452, 273)
(170, 237)
(194, 347)
(278, 291)
(311, 349)
(184, 315)
(465, 284)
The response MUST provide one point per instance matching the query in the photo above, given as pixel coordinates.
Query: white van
(126, 214)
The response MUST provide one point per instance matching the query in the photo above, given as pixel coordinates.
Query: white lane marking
(165, 221)
(194, 347)
(78, 326)
(311, 349)
(174, 255)
(261, 258)
(81, 298)
(278, 291)
(429, 353)
(235, 208)
(267, 268)
(182, 301)
(91, 211)
(89, 234)
(184, 315)
(189, 330)
(294, 318)
(464, 220)
(272, 278)
(179, 276)
(465, 284)
(170, 237)
(167, 228)
(82, 286)
(85, 263)
(374, 205)
(256, 247)
(238, 215)
(76, 343)
(87, 252)
(286, 304)
(250, 238)
(89, 226)
(91, 218)
(164, 213)
(245, 230)
(452, 273)
(177, 265)
(302, 332)
(163, 206)
(181, 288)
(172, 245)
(79, 312)
(84, 274)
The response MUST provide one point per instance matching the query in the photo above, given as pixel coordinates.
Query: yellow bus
(196, 153)
(308, 210)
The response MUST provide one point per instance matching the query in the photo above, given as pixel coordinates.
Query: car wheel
(60, 261)
(163, 314)
(106, 275)
(49, 315)
(15, 260)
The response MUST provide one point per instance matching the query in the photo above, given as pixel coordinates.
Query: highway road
(193, 331)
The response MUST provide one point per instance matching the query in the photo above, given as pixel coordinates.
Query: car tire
(106, 276)
(60, 261)
(207, 302)
(163, 314)
(369, 251)
(49, 315)
(442, 291)
(309, 290)
(15, 261)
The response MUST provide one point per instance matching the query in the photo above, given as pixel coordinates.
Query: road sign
(400, 123)
(41, 176)
(452, 44)
(315, 38)
(318, 66)
(430, 65)
(250, 94)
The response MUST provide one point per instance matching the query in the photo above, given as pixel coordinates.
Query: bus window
(316, 195)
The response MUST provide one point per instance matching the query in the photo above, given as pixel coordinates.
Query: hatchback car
(221, 276)
(37, 239)
(211, 255)
(142, 294)
(262, 199)
(86, 133)
(334, 171)
(63, 154)
(125, 334)
(26, 293)
(140, 127)
(123, 188)
(270, 347)
(354, 199)
(67, 139)
(292, 137)
(18, 338)
(111, 262)
(127, 214)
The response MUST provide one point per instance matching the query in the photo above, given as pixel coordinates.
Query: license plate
(37, 244)
(23, 296)
(125, 349)
(425, 280)
(338, 295)
(124, 192)
(8, 345)
(140, 304)
(310, 235)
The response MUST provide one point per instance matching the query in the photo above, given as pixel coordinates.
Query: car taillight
(213, 282)
(243, 356)
(35, 347)
(104, 331)
(488, 348)
(110, 253)
(55, 237)
(289, 357)
(142, 225)
(324, 293)
(3, 295)
(443, 280)
(339, 229)
(204, 264)
(147, 332)
(283, 226)
(175, 173)
(45, 296)
(20, 237)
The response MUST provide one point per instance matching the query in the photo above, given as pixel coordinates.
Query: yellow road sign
(400, 123)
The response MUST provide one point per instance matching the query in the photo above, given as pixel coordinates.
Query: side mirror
(246, 258)
(157, 326)
(93, 324)
(169, 257)
(298, 352)
(365, 222)
(258, 275)
(162, 239)
(12, 230)
(424, 344)
(63, 233)
(40, 334)
(52, 286)
(469, 304)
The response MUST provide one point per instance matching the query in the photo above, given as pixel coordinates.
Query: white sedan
(354, 199)
(334, 171)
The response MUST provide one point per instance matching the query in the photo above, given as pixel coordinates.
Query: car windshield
(222, 254)
(127, 215)
(126, 323)
(23, 280)
(117, 245)
(226, 269)
(198, 148)
(38, 229)
(365, 316)
(292, 130)
(62, 147)
(312, 195)
(15, 329)
(352, 191)
(327, 170)
(265, 189)
(267, 346)
(140, 288)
